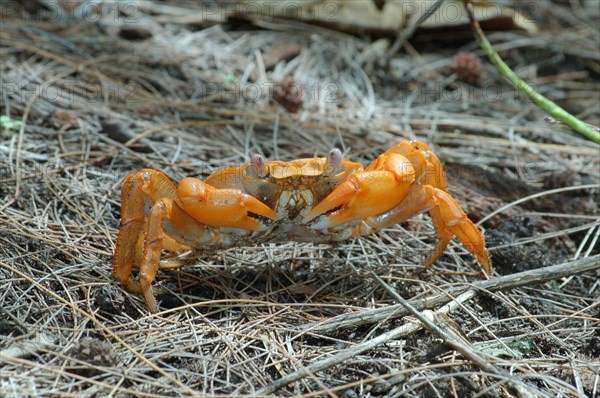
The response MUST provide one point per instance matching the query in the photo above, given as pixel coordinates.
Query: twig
(503, 282)
(549, 106)
(412, 27)
(340, 357)
(468, 351)
(410, 327)
(499, 283)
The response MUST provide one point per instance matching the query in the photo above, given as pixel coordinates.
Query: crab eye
(334, 158)
(258, 166)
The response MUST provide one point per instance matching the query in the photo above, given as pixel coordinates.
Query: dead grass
(86, 104)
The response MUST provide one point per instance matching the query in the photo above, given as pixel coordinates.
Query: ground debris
(89, 97)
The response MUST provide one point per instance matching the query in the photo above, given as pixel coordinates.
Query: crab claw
(223, 207)
(365, 194)
(428, 167)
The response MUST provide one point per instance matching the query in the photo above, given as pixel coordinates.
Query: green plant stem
(550, 107)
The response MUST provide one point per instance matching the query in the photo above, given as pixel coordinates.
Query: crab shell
(291, 189)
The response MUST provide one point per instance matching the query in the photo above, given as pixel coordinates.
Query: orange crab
(324, 199)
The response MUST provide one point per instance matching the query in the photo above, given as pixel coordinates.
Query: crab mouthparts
(293, 203)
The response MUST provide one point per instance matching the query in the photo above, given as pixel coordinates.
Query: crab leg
(167, 217)
(140, 190)
(448, 220)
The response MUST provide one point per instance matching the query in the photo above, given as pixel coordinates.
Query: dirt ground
(87, 99)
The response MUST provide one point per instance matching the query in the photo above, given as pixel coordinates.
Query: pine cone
(468, 68)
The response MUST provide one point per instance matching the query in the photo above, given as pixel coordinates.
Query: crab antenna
(257, 162)
(334, 158)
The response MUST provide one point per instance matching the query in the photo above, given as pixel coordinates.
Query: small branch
(549, 106)
(412, 27)
(343, 355)
(539, 275)
(503, 282)
(530, 277)
(453, 339)
(340, 357)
